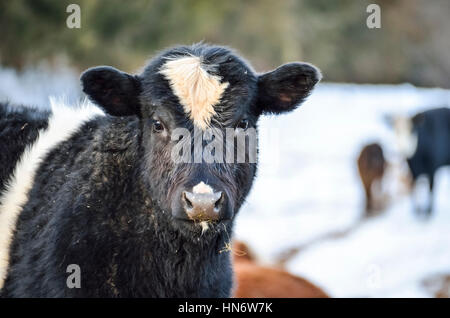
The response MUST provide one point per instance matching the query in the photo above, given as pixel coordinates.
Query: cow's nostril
(219, 202)
(186, 201)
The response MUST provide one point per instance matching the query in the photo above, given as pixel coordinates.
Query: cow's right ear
(116, 92)
(286, 87)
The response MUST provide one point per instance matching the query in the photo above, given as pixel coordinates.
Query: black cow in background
(431, 134)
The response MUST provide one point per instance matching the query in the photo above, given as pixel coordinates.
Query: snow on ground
(308, 187)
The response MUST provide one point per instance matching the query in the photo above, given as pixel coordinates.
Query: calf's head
(196, 105)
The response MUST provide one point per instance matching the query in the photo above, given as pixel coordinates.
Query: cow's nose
(202, 206)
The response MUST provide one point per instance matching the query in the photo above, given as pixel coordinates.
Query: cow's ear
(286, 87)
(116, 92)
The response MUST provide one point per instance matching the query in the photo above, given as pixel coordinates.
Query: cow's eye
(243, 124)
(157, 126)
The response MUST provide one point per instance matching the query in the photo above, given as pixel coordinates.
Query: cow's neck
(173, 261)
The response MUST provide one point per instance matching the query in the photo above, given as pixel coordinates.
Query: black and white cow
(425, 140)
(97, 186)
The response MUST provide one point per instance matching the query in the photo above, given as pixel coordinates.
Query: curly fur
(106, 195)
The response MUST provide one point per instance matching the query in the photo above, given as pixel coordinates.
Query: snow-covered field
(308, 187)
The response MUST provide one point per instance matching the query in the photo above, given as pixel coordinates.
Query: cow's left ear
(286, 87)
(116, 92)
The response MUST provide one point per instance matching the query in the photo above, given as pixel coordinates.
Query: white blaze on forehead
(197, 90)
(202, 188)
(63, 122)
(406, 138)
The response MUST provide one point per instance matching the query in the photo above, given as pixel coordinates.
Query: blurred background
(307, 210)
(411, 46)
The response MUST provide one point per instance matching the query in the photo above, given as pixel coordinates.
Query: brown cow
(256, 281)
(371, 167)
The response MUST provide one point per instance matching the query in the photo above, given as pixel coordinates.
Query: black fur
(433, 149)
(104, 199)
(19, 127)
(106, 85)
(91, 207)
(286, 87)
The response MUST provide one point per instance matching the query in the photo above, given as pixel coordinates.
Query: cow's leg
(369, 199)
(431, 194)
(380, 197)
(415, 201)
(420, 200)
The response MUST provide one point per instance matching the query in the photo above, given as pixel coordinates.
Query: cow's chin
(202, 229)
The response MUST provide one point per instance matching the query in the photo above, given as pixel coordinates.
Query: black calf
(108, 195)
